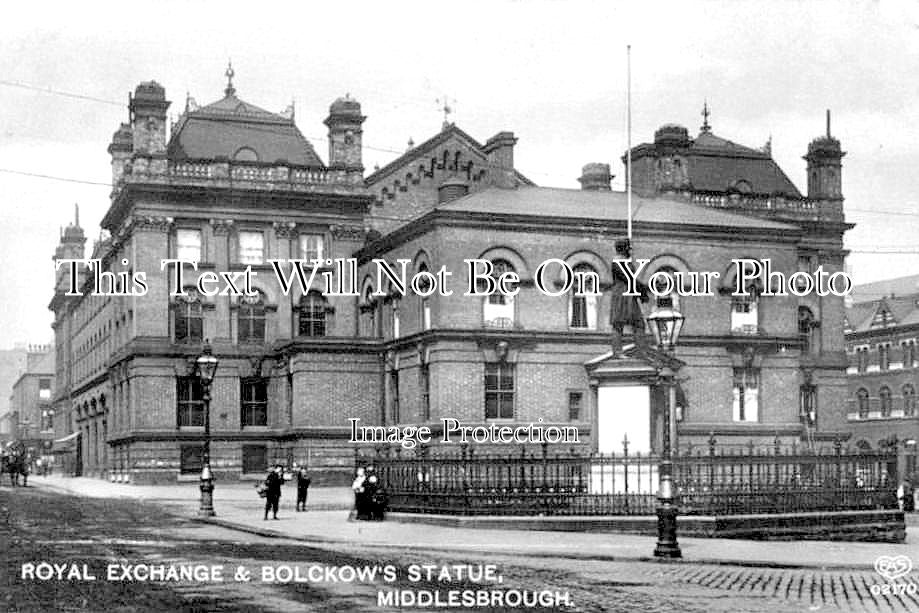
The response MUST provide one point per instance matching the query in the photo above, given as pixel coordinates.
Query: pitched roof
(899, 286)
(225, 127)
(719, 165)
(422, 150)
(598, 205)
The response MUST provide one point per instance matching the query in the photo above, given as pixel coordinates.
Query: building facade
(882, 331)
(232, 187)
(31, 410)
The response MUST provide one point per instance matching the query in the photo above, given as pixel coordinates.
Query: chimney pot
(596, 177)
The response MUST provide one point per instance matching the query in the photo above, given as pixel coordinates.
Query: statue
(625, 310)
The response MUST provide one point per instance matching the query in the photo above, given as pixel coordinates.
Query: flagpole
(628, 155)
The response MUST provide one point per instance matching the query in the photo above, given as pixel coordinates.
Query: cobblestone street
(41, 525)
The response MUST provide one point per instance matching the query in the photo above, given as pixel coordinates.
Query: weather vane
(705, 113)
(446, 108)
(230, 90)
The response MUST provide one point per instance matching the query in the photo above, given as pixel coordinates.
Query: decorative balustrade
(710, 481)
(251, 174)
(776, 204)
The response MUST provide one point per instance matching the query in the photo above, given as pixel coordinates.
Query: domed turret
(345, 105)
(824, 166)
(345, 132)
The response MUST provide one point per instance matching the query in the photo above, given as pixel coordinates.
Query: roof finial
(446, 109)
(76, 214)
(705, 113)
(230, 90)
(828, 135)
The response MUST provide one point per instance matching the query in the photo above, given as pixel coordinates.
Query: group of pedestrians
(271, 489)
(370, 498)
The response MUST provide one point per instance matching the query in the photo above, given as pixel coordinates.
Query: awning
(66, 443)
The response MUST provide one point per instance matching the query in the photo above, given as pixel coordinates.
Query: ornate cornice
(222, 227)
(348, 232)
(285, 229)
(151, 223)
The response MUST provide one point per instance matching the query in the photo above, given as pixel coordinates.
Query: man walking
(273, 482)
(303, 486)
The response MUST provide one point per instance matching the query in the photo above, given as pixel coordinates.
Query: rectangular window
(425, 384)
(744, 318)
(254, 394)
(425, 314)
(575, 402)
(746, 394)
(884, 356)
(499, 390)
(251, 248)
(311, 247)
(862, 354)
(808, 405)
(188, 245)
(44, 389)
(190, 406)
(191, 459)
(394, 396)
(909, 354)
(255, 459)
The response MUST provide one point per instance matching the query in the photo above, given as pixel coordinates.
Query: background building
(232, 185)
(882, 329)
(31, 410)
(12, 363)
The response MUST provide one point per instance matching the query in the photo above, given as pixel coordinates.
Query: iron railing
(710, 481)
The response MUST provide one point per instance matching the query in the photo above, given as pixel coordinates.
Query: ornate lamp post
(205, 367)
(666, 325)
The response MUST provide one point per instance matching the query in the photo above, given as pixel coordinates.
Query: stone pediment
(636, 363)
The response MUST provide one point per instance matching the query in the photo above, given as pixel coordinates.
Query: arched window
(806, 326)
(886, 401)
(498, 310)
(425, 301)
(909, 400)
(313, 311)
(251, 319)
(188, 318)
(368, 310)
(582, 309)
(863, 406)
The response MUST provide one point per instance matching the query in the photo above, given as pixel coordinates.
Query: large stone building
(234, 186)
(882, 331)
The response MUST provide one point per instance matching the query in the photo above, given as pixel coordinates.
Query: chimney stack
(596, 177)
(500, 151)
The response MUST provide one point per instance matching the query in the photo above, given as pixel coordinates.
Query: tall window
(498, 309)
(396, 321)
(313, 311)
(368, 309)
(575, 405)
(863, 403)
(806, 328)
(190, 409)
(188, 245)
(251, 247)
(47, 419)
(394, 395)
(499, 390)
(808, 404)
(251, 319)
(424, 374)
(44, 389)
(909, 354)
(424, 286)
(886, 401)
(254, 394)
(884, 356)
(862, 354)
(312, 247)
(909, 401)
(582, 310)
(744, 314)
(746, 394)
(188, 318)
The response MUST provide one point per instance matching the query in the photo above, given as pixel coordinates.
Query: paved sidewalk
(238, 507)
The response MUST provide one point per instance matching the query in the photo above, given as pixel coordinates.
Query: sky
(554, 73)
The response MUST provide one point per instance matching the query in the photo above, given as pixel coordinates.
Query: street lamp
(205, 367)
(665, 326)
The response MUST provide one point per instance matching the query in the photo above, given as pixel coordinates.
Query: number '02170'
(894, 589)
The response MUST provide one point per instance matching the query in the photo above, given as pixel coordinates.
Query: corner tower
(824, 167)
(345, 132)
